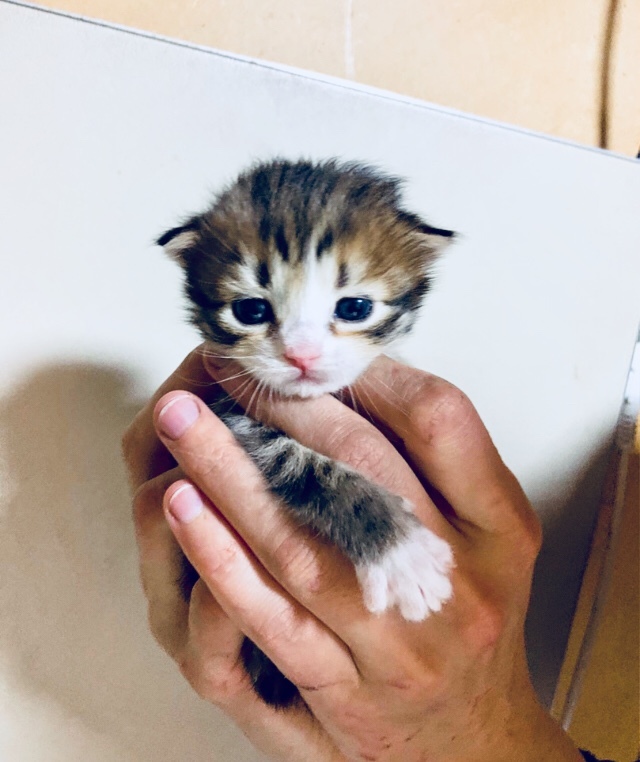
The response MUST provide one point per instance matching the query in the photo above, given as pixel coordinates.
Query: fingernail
(177, 415)
(185, 504)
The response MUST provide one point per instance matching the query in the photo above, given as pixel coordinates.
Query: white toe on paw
(412, 575)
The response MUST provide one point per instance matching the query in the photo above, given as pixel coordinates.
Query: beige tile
(536, 65)
(625, 91)
(531, 64)
(305, 34)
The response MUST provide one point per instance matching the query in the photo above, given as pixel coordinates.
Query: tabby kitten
(304, 273)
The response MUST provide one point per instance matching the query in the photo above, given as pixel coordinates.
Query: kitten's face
(304, 273)
(305, 329)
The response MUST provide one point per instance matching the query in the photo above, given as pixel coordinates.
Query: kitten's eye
(252, 311)
(353, 308)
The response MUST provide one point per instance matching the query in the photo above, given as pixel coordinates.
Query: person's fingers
(277, 623)
(185, 629)
(447, 442)
(211, 663)
(212, 666)
(212, 458)
(401, 662)
(209, 659)
(144, 454)
(160, 561)
(312, 572)
(331, 428)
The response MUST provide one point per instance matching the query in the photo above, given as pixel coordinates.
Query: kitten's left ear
(436, 239)
(178, 241)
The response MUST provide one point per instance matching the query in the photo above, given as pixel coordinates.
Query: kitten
(304, 273)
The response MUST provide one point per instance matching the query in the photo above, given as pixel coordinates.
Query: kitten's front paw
(412, 575)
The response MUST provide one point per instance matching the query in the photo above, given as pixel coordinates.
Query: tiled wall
(533, 64)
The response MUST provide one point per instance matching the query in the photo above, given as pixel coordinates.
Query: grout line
(349, 57)
(606, 72)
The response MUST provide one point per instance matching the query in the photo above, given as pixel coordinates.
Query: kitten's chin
(307, 389)
(289, 383)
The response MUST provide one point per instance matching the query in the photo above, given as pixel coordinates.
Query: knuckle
(531, 542)
(211, 680)
(219, 459)
(486, 627)
(215, 677)
(518, 523)
(221, 566)
(525, 537)
(362, 450)
(189, 670)
(439, 409)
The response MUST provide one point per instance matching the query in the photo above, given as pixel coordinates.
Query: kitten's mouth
(311, 375)
(308, 383)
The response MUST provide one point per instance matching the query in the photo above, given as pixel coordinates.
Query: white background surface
(106, 139)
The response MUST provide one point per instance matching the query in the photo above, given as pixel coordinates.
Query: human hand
(454, 687)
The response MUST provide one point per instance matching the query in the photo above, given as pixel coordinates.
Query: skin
(454, 688)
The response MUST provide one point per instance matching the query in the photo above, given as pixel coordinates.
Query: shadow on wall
(73, 623)
(560, 556)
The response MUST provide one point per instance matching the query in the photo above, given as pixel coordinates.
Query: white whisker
(353, 399)
(371, 401)
(255, 392)
(365, 409)
(389, 388)
(208, 353)
(193, 382)
(401, 428)
(237, 375)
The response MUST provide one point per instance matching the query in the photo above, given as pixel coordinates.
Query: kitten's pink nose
(303, 358)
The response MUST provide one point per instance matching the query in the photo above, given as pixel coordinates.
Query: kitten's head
(305, 272)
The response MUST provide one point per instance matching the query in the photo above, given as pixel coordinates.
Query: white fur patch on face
(308, 311)
(305, 312)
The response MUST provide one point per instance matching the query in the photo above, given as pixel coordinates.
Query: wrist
(527, 733)
(508, 723)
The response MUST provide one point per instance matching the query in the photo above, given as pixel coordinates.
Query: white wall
(106, 138)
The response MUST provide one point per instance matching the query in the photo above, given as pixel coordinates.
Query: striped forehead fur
(280, 208)
(289, 232)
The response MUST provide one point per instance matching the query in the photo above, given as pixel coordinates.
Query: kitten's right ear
(178, 241)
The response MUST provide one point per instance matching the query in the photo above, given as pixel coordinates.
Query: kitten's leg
(398, 561)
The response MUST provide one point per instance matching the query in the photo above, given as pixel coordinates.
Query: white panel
(107, 138)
